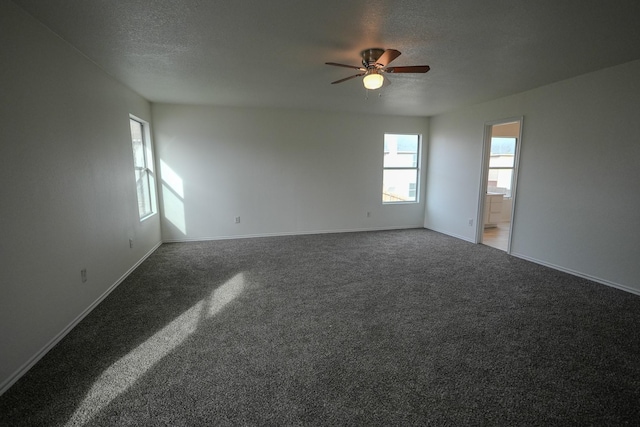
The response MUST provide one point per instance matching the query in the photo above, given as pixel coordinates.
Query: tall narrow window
(143, 168)
(400, 168)
(501, 165)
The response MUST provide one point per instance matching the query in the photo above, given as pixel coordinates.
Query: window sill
(151, 215)
(400, 203)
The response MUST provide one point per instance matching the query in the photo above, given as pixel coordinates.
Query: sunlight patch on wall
(173, 209)
(173, 197)
(172, 179)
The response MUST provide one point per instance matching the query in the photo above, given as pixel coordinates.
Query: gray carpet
(405, 327)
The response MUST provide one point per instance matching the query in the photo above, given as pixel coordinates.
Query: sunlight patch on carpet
(120, 376)
(226, 293)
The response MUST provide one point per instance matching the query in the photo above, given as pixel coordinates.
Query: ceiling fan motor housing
(370, 56)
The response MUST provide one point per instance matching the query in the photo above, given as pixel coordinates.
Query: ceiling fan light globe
(373, 81)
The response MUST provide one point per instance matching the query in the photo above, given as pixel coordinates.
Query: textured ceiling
(272, 53)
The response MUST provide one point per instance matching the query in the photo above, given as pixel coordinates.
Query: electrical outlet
(470, 222)
(83, 275)
(130, 243)
(237, 220)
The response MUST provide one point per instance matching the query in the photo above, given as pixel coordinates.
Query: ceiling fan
(375, 62)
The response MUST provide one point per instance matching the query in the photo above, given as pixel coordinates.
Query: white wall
(68, 193)
(280, 171)
(578, 196)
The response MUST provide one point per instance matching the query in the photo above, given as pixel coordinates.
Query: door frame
(486, 152)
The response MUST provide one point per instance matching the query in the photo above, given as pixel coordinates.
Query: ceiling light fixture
(373, 80)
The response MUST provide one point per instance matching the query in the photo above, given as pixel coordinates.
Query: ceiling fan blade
(348, 78)
(388, 56)
(346, 66)
(409, 69)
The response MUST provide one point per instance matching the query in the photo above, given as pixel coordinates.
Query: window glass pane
(138, 144)
(399, 185)
(141, 155)
(501, 145)
(144, 197)
(500, 181)
(400, 151)
(502, 152)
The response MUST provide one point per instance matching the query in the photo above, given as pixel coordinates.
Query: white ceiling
(272, 53)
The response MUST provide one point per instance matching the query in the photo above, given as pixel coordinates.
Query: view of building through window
(501, 165)
(400, 168)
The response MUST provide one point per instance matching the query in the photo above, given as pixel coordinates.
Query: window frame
(417, 170)
(498, 168)
(147, 169)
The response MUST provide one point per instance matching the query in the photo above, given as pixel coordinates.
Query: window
(501, 165)
(143, 167)
(400, 168)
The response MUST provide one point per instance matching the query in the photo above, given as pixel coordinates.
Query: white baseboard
(559, 268)
(289, 233)
(579, 274)
(55, 340)
(457, 236)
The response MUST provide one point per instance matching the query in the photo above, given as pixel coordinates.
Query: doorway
(502, 141)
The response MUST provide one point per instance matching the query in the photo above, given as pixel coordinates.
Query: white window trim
(417, 169)
(511, 168)
(149, 166)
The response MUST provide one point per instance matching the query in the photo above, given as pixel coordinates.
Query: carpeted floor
(405, 327)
